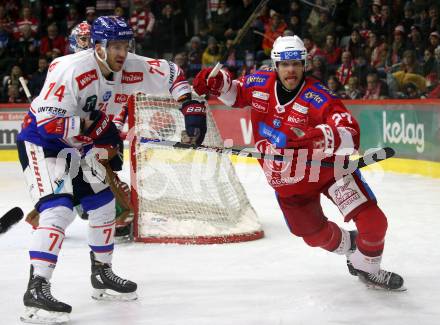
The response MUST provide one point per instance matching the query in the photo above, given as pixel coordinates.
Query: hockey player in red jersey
(298, 116)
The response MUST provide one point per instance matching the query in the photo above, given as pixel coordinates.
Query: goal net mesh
(183, 195)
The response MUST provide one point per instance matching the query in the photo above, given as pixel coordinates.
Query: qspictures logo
(404, 132)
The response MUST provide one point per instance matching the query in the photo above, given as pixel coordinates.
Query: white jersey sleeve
(74, 87)
(54, 107)
(153, 76)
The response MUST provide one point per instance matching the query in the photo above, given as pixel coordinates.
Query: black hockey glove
(102, 131)
(195, 121)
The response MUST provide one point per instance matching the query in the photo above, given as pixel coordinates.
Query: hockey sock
(328, 238)
(372, 226)
(48, 238)
(101, 231)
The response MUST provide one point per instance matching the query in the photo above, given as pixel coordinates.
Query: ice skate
(40, 306)
(382, 280)
(377, 278)
(109, 286)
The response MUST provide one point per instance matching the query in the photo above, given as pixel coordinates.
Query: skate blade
(373, 286)
(35, 315)
(110, 295)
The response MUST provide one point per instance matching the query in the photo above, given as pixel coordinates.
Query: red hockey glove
(203, 85)
(319, 138)
(195, 121)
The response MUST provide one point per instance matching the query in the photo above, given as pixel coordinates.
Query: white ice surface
(275, 280)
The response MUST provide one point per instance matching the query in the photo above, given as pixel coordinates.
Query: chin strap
(104, 60)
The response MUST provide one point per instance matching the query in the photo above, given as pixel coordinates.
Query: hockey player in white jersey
(64, 122)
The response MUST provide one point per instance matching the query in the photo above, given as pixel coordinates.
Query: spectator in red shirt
(346, 69)
(52, 43)
(331, 52)
(272, 30)
(312, 49)
(26, 18)
(142, 21)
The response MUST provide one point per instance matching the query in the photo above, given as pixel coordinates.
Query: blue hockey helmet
(110, 28)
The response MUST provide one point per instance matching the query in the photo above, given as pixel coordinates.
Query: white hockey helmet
(288, 48)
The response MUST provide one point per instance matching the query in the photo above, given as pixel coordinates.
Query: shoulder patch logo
(256, 80)
(52, 66)
(315, 98)
(325, 89)
(131, 77)
(86, 78)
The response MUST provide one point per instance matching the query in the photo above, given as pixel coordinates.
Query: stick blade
(10, 218)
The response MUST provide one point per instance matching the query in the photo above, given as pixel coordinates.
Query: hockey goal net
(183, 196)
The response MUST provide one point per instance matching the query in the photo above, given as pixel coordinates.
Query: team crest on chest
(107, 95)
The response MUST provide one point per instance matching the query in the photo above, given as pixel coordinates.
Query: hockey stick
(114, 182)
(246, 26)
(26, 89)
(33, 216)
(10, 218)
(239, 36)
(115, 185)
(371, 156)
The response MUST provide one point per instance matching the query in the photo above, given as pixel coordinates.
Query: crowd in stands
(362, 49)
